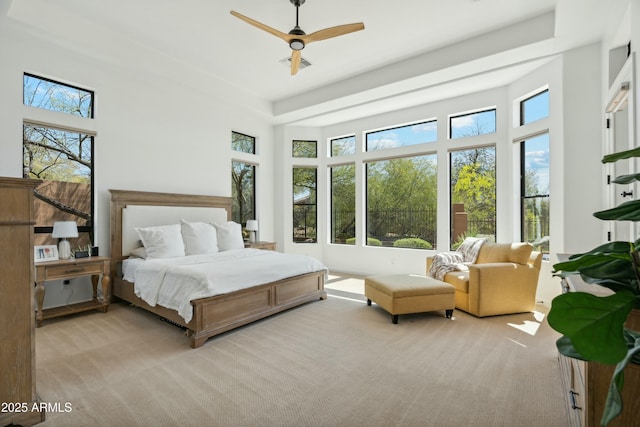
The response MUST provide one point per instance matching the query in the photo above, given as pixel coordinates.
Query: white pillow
(199, 238)
(163, 241)
(229, 236)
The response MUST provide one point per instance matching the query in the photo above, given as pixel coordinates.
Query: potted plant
(595, 328)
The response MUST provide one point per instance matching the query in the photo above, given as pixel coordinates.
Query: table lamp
(252, 227)
(64, 230)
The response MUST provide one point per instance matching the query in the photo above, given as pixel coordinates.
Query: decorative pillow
(140, 252)
(199, 238)
(229, 236)
(163, 241)
(505, 252)
(470, 248)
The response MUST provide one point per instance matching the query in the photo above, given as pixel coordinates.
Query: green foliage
(371, 241)
(594, 327)
(412, 242)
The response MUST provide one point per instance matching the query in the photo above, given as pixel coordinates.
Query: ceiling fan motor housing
(297, 3)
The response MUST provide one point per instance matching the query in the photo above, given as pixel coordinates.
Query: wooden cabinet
(586, 384)
(17, 322)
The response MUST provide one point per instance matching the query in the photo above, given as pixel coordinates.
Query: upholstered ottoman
(409, 293)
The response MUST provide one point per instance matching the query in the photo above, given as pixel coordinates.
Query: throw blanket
(446, 262)
(174, 282)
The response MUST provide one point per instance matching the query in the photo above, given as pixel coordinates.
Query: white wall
(160, 126)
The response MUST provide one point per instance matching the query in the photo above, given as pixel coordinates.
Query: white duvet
(174, 282)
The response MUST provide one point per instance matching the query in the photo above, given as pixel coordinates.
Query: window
(534, 108)
(243, 178)
(534, 160)
(304, 149)
(473, 194)
(401, 202)
(471, 124)
(51, 95)
(417, 133)
(243, 181)
(343, 146)
(343, 204)
(305, 205)
(243, 143)
(62, 158)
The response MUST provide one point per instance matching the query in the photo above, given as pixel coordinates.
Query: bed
(211, 315)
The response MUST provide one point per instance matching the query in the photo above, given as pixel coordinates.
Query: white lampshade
(252, 227)
(63, 230)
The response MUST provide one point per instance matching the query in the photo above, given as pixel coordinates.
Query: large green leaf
(617, 269)
(627, 211)
(613, 405)
(614, 157)
(627, 179)
(593, 324)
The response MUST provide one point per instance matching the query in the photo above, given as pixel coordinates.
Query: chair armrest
(497, 288)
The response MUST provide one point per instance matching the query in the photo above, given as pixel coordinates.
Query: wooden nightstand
(70, 269)
(270, 246)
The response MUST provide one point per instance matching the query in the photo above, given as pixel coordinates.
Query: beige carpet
(328, 363)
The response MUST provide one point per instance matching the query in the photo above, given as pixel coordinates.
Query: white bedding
(174, 282)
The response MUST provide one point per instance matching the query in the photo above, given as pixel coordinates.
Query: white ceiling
(432, 47)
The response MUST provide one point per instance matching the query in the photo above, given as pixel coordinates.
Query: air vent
(303, 62)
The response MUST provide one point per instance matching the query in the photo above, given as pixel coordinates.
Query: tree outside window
(402, 201)
(473, 194)
(343, 204)
(243, 191)
(305, 212)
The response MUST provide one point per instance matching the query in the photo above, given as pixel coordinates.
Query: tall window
(243, 178)
(473, 194)
(401, 136)
(534, 155)
(61, 157)
(305, 213)
(401, 202)
(343, 204)
(471, 124)
(534, 173)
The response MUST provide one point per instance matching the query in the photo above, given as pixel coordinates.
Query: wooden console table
(71, 269)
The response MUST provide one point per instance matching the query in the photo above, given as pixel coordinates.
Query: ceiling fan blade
(296, 57)
(260, 25)
(328, 33)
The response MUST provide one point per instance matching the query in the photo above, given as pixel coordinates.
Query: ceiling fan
(298, 39)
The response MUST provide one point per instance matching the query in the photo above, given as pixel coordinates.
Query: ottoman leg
(394, 319)
(368, 302)
(449, 314)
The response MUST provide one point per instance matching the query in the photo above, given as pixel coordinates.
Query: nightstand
(270, 246)
(71, 269)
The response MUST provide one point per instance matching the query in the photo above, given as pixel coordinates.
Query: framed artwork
(45, 253)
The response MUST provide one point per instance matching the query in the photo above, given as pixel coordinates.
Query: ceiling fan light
(296, 44)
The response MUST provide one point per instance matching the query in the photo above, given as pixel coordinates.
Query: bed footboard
(221, 313)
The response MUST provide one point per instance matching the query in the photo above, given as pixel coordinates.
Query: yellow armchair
(503, 280)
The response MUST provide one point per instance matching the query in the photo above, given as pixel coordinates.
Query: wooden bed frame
(217, 314)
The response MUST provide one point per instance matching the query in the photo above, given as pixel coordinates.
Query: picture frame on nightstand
(45, 253)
